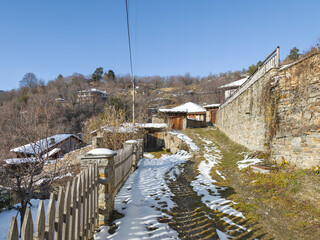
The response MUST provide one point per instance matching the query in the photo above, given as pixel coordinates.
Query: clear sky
(169, 37)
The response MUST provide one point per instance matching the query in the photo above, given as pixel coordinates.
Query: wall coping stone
(101, 152)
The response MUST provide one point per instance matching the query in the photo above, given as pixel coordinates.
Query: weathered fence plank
(96, 198)
(90, 202)
(85, 205)
(73, 206)
(75, 214)
(66, 213)
(27, 226)
(78, 210)
(13, 233)
(40, 226)
(50, 218)
(59, 214)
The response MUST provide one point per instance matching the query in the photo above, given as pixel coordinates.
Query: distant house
(228, 89)
(51, 147)
(186, 115)
(211, 112)
(59, 100)
(92, 95)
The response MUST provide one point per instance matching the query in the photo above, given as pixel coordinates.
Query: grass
(284, 193)
(158, 154)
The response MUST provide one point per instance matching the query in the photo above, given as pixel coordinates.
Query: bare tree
(24, 173)
(29, 80)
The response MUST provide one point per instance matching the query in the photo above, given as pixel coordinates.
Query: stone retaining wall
(171, 142)
(243, 119)
(279, 113)
(297, 135)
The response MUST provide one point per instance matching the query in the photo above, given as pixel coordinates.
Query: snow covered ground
(205, 186)
(6, 215)
(141, 198)
(247, 161)
(187, 140)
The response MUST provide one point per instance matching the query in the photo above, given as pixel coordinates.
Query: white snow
(205, 187)
(43, 144)
(20, 160)
(148, 155)
(101, 151)
(235, 83)
(247, 161)
(6, 215)
(222, 235)
(188, 107)
(152, 125)
(187, 140)
(212, 105)
(52, 152)
(131, 141)
(140, 198)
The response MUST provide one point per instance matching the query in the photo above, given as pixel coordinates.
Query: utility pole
(133, 101)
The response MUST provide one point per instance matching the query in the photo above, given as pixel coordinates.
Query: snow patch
(247, 161)
(187, 140)
(141, 198)
(6, 215)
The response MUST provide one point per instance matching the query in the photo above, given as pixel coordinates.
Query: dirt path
(208, 215)
(278, 205)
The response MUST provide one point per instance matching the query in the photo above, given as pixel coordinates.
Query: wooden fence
(125, 162)
(74, 214)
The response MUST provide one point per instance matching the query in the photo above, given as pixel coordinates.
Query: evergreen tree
(111, 76)
(294, 54)
(97, 75)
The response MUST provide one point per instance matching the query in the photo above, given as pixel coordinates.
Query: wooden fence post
(133, 144)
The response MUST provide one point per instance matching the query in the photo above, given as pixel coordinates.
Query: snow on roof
(212, 105)
(152, 125)
(92, 90)
(39, 146)
(234, 84)
(51, 153)
(20, 160)
(188, 107)
(173, 110)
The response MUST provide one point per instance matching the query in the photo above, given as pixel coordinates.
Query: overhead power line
(132, 76)
(129, 38)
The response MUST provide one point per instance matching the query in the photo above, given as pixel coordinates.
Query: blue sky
(169, 37)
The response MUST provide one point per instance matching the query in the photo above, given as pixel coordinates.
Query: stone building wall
(279, 113)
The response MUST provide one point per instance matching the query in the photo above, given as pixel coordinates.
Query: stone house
(92, 95)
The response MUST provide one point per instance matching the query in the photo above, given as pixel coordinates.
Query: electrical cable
(129, 39)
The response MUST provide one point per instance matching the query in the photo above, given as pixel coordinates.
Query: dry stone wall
(279, 113)
(243, 119)
(297, 137)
